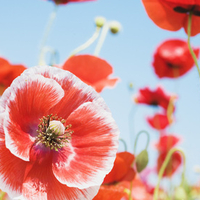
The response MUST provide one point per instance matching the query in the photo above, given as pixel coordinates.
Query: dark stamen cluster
(49, 137)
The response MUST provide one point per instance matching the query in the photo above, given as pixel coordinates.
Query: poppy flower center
(52, 132)
(154, 103)
(171, 66)
(184, 7)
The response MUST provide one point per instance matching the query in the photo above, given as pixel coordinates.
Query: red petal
(40, 183)
(173, 59)
(31, 98)
(108, 192)
(92, 149)
(163, 15)
(166, 142)
(12, 169)
(91, 70)
(158, 121)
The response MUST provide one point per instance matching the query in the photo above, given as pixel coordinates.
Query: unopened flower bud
(115, 27)
(100, 21)
(57, 127)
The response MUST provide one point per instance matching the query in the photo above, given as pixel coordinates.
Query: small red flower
(173, 59)
(91, 70)
(167, 142)
(173, 164)
(173, 14)
(156, 97)
(159, 121)
(58, 139)
(8, 73)
(58, 2)
(122, 169)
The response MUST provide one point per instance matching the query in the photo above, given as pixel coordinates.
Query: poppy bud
(115, 27)
(100, 21)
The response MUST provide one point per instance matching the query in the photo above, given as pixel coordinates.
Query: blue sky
(130, 53)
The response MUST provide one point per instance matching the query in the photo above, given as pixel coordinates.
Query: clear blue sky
(130, 52)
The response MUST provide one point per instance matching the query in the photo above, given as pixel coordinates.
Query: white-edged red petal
(30, 99)
(89, 156)
(12, 169)
(41, 184)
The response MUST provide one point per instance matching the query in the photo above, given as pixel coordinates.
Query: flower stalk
(163, 167)
(189, 44)
(46, 34)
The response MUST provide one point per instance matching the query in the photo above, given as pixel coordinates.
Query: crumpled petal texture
(72, 172)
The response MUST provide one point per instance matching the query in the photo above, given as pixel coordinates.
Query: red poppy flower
(68, 1)
(173, 14)
(91, 70)
(173, 164)
(166, 142)
(8, 73)
(139, 191)
(156, 97)
(173, 59)
(108, 192)
(159, 121)
(70, 136)
(122, 169)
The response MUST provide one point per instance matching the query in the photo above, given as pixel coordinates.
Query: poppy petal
(163, 15)
(12, 169)
(158, 121)
(31, 99)
(92, 70)
(40, 183)
(85, 162)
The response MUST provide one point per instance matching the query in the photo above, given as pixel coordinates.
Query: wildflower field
(100, 100)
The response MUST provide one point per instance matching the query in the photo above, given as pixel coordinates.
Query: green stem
(46, 34)
(124, 143)
(87, 43)
(102, 38)
(163, 167)
(189, 45)
(136, 139)
(130, 194)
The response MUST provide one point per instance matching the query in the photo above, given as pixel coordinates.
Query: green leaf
(142, 160)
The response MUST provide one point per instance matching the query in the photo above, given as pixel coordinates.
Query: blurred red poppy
(108, 192)
(173, 14)
(173, 59)
(173, 164)
(166, 142)
(122, 169)
(8, 73)
(139, 191)
(58, 2)
(91, 70)
(159, 121)
(156, 97)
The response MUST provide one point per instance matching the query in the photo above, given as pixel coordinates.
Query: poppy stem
(189, 45)
(87, 43)
(136, 139)
(124, 143)
(45, 35)
(102, 38)
(130, 194)
(163, 167)
(2, 194)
